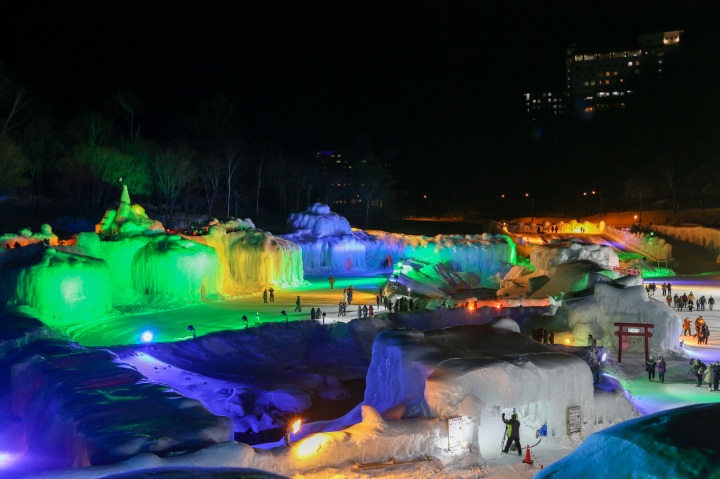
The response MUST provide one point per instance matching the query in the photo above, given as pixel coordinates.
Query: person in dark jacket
(513, 433)
(661, 367)
(650, 368)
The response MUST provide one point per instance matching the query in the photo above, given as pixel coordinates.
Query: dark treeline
(210, 167)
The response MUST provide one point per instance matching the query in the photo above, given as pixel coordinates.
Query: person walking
(264, 295)
(711, 302)
(661, 367)
(650, 365)
(669, 300)
(669, 288)
(687, 327)
(331, 280)
(716, 375)
(297, 304)
(272, 294)
(312, 313)
(513, 433)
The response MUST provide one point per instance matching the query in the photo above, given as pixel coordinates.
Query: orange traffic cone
(527, 459)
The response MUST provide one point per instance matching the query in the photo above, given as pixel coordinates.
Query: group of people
(543, 336)
(708, 373)
(651, 365)
(272, 295)
(702, 331)
(689, 301)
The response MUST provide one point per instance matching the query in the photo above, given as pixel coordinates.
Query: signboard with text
(455, 433)
(574, 419)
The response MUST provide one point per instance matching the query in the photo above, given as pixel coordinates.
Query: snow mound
(677, 443)
(62, 287)
(615, 302)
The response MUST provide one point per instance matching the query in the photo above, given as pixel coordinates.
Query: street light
(426, 197)
(532, 207)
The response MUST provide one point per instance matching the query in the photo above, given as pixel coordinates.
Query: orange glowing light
(567, 341)
(296, 426)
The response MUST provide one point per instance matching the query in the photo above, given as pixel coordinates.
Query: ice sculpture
(251, 259)
(62, 287)
(172, 266)
(319, 222)
(546, 257)
(26, 237)
(329, 244)
(127, 219)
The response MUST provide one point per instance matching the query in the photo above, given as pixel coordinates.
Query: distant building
(340, 183)
(599, 80)
(545, 105)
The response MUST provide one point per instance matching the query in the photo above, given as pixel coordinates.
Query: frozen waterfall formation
(329, 244)
(130, 259)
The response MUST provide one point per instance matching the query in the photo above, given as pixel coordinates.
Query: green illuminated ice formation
(62, 287)
(173, 266)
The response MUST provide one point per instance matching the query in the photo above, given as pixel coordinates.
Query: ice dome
(319, 222)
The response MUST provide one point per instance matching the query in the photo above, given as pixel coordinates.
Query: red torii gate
(633, 329)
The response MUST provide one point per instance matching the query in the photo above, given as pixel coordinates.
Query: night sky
(428, 80)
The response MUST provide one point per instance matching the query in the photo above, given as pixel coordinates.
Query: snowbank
(61, 287)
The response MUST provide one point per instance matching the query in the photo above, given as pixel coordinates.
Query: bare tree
(282, 178)
(173, 171)
(257, 197)
(372, 179)
(13, 103)
(12, 164)
(211, 173)
(232, 161)
(127, 106)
